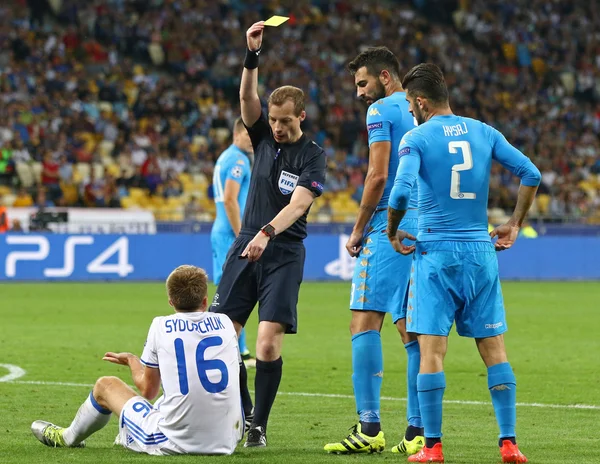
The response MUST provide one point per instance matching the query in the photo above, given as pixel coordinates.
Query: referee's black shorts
(273, 281)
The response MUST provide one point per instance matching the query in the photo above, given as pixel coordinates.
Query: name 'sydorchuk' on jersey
(278, 169)
(198, 357)
(233, 164)
(452, 156)
(388, 119)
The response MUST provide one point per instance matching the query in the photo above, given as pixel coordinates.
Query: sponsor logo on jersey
(404, 151)
(317, 185)
(215, 301)
(287, 182)
(375, 125)
(374, 112)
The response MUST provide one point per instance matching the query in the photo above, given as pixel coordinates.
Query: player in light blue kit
(231, 180)
(455, 269)
(380, 282)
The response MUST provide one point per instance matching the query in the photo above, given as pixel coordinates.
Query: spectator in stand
(51, 177)
(41, 200)
(23, 199)
(151, 171)
(94, 191)
(87, 82)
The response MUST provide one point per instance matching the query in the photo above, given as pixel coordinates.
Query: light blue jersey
(454, 277)
(388, 119)
(232, 164)
(452, 156)
(381, 275)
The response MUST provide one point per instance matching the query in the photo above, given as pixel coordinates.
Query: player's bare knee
(102, 386)
(406, 337)
(362, 321)
(492, 350)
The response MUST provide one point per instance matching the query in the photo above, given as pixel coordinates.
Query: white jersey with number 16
(198, 357)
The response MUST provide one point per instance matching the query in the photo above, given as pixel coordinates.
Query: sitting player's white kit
(194, 355)
(197, 354)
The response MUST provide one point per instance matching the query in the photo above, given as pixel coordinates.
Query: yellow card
(276, 20)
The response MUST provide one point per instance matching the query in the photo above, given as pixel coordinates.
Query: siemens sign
(153, 257)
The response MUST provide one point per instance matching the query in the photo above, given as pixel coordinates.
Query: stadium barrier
(47, 256)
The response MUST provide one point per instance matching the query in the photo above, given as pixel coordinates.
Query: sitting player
(195, 355)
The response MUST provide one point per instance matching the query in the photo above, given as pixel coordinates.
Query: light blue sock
(503, 388)
(413, 412)
(431, 393)
(242, 343)
(367, 368)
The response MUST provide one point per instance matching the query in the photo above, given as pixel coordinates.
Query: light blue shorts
(221, 243)
(455, 281)
(381, 275)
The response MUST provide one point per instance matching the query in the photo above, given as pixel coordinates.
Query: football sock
(412, 432)
(431, 393)
(413, 412)
(503, 388)
(242, 343)
(513, 440)
(90, 418)
(367, 375)
(266, 384)
(431, 442)
(246, 398)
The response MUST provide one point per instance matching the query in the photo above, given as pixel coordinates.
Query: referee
(266, 261)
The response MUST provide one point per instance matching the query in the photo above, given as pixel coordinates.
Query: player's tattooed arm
(525, 199)
(394, 218)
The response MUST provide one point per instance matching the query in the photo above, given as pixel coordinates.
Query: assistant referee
(266, 261)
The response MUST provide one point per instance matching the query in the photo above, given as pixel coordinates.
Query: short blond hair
(288, 92)
(187, 287)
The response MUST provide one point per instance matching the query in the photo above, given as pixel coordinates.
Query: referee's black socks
(266, 384)
(246, 398)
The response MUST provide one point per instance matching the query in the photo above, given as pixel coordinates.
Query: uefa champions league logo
(343, 267)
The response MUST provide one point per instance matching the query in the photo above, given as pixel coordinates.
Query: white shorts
(139, 432)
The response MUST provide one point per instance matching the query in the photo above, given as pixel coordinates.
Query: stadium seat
(99, 170)
(26, 174)
(82, 171)
(128, 203)
(37, 172)
(8, 198)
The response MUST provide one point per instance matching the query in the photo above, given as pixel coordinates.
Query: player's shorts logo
(287, 182)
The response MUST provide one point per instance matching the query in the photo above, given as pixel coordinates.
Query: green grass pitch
(58, 333)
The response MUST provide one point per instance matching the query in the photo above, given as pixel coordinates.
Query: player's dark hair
(426, 80)
(288, 92)
(376, 59)
(186, 287)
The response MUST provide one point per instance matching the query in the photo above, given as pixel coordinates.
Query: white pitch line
(14, 372)
(349, 397)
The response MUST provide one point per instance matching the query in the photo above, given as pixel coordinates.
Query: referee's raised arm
(249, 101)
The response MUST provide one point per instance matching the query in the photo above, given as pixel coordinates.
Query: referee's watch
(269, 231)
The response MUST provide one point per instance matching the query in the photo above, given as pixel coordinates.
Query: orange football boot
(510, 453)
(429, 454)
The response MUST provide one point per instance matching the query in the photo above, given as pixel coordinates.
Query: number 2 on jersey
(203, 365)
(467, 164)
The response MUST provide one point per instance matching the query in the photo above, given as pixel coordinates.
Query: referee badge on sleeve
(287, 182)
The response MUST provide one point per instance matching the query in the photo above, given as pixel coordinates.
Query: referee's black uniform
(274, 280)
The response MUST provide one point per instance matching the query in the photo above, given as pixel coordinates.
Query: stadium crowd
(106, 100)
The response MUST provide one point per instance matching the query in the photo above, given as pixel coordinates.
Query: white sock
(90, 418)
